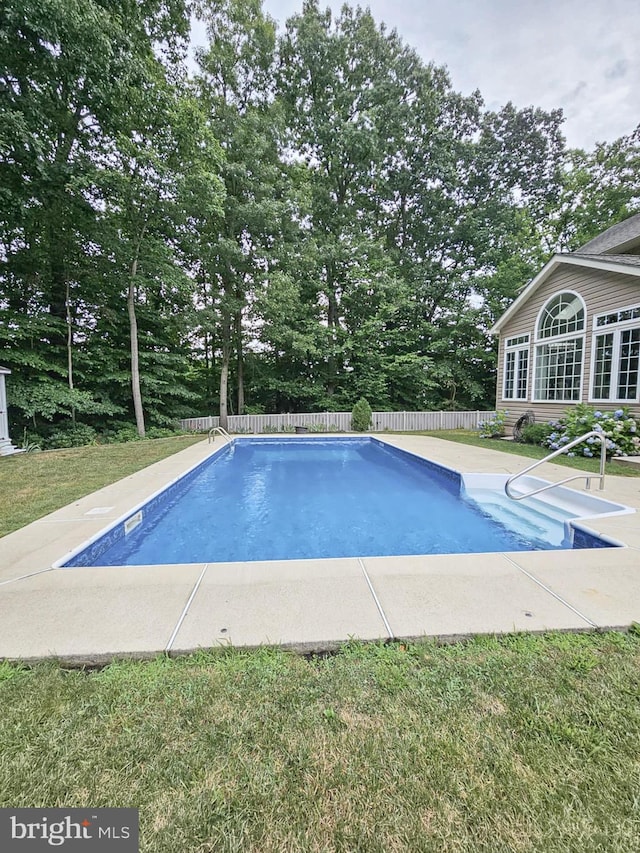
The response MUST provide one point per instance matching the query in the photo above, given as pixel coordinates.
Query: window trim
(539, 342)
(615, 329)
(517, 349)
(633, 321)
(576, 333)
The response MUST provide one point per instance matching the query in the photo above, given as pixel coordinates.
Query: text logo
(72, 830)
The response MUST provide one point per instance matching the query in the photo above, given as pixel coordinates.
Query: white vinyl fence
(340, 421)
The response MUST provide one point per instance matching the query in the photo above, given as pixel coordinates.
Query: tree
(236, 85)
(347, 87)
(600, 187)
(89, 101)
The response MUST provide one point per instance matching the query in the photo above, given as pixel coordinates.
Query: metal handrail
(587, 477)
(222, 432)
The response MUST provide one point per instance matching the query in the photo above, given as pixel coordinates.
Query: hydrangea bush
(619, 427)
(494, 426)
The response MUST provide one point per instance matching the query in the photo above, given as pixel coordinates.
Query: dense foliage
(311, 217)
(493, 427)
(618, 428)
(361, 416)
(536, 433)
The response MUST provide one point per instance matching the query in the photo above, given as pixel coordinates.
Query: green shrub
(161, 432)
(494, 427)
(74, 435)
(619, 428)
(535, 433)
(125, 433)
(361, 416)
(32, 442)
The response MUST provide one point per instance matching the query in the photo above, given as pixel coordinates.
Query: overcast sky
(580, 55)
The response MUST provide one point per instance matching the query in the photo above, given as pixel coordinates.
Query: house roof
(624, 260)
(626, 264)
(620, 237)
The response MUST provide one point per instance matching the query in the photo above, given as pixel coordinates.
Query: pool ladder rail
(587, 477)
(223, 433)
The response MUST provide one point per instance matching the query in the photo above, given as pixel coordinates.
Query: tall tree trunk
(240, 364)
(133, 335)
(56, 202)
(70, 349)
(332, 322)
(224, 371)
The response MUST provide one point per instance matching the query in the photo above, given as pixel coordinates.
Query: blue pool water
(274, 499)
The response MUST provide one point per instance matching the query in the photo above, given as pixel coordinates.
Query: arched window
(560, 348)
(562, 315)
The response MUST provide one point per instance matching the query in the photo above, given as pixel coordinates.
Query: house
(573, 333)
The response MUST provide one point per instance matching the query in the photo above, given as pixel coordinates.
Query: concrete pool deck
(90, 615)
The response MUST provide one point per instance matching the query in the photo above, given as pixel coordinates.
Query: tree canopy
(309, 217)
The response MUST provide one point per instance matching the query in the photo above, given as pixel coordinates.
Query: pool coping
(91, 615)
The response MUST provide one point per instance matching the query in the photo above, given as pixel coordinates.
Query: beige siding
(601, 292)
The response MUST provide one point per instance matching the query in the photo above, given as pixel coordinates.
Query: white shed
(6, 448)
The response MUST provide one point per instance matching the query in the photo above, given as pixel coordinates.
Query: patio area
(90, 615)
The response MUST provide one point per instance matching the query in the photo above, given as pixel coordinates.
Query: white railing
(341, 421)
(587, 477)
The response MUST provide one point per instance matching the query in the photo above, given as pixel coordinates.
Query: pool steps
(550, 515)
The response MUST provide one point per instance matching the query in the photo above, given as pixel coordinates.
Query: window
(628, 372)
(516, 368)
(558, 371)
(562, 315)
(618, 316)
(616, 356)
(602, 367)
(559, 349)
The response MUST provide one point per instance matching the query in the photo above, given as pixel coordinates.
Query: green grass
(39, 483)
(524, 743)
(531, 451)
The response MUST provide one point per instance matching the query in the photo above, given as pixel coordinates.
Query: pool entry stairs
(593, 435)
(547, 516)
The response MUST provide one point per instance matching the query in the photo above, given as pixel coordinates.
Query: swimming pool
(302, 498)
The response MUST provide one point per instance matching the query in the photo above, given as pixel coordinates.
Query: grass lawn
(39, 483)
(532, 451)
(524, 743)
